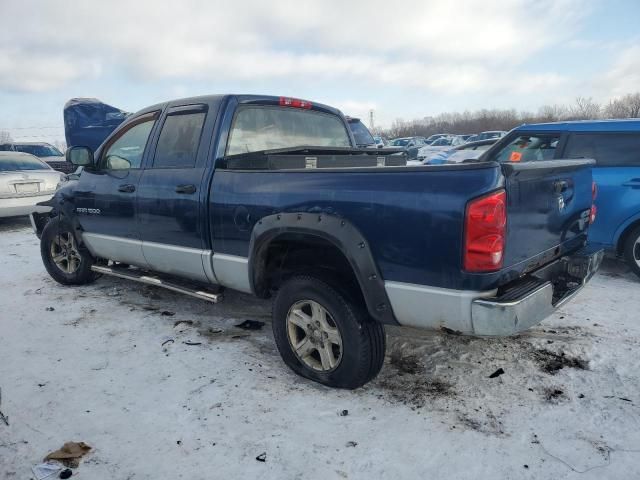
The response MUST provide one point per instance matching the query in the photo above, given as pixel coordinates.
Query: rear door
(617, 175)
(549, 199)
(172, 195)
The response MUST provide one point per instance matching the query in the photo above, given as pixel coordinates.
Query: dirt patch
(489, 424)
(551, 362)
(405, 364)
(554, 395)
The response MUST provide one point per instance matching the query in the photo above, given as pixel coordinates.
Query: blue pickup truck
(270, 196)
(615, 147)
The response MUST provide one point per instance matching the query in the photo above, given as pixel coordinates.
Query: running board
(158, 282)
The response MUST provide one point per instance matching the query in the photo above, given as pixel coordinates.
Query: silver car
(24, 181)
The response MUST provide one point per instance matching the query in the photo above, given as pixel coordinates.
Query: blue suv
(615, 146)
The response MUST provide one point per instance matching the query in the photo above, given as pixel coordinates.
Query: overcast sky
(404, 59)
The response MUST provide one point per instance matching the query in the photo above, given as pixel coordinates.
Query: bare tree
(625, 107)
(584, 109)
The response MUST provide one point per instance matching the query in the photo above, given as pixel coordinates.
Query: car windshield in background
(39, 150)
(20, 162)
(400, 142)
(360, 133)
(441, 142)
(527, 148)
(267, 128)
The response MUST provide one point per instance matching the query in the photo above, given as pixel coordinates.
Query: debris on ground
(167, 313)
(251, 325)
(351, 443)
(192, 343)
(4, 418)
(262, 457)
(552, 394)
(450, 331)
(49, 309)
(551, 362)
(70, 453)
(66, 473)
(497, 373)
(186, 322)
(168, 340)
(46, 470)
(344, 413)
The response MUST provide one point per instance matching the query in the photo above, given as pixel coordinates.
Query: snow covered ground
(94, 369)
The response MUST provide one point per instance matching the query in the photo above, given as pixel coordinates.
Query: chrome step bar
(130, 274)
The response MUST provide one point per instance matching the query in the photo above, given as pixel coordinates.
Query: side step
(141, 277)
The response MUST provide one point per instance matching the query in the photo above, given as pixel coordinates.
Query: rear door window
(266, 128)
(528, 148)
(607, 149)
(179, 140)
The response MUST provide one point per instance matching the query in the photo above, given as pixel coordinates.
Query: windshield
(360, 133)
(399, 142)
(39, 150)
(20, 162)
(441, 142)
(489, 135)
(258, 128)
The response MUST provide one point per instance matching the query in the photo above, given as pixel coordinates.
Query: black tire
(81, 275)
(631, 251)
(363, 339)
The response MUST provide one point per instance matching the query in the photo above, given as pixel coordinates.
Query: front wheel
(632, 250)
(66, 261)
(324, 336)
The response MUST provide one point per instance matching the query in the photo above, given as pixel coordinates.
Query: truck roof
(625, 125)
(241, 99)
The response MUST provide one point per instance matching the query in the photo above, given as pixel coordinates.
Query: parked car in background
(426, 152)
(489, 134)
(411, 145)
(24, 181)
(615, 146)
(44, 151)
(436, 136)
(380, 141)
(466, 151)
(361, 133)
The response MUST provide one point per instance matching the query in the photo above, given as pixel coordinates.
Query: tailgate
(549, 202)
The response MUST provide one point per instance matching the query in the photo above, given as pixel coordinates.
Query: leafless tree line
(467, 122)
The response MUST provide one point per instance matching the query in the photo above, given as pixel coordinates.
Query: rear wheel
(66, 261)
(632, 250)
(324, 336)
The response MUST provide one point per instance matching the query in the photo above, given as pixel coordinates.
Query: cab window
(127, 150)
(528, 148)
(179, 140)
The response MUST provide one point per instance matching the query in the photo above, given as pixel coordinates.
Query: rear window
(360, 133)
(266, 128)
(39, 150)
(528, 148)
(17, 163)
(607, 149)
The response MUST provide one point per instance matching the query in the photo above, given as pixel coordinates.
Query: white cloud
(441, 46)
(624, 75)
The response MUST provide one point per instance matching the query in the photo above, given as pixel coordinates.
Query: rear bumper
(548, 289)
(500, 312)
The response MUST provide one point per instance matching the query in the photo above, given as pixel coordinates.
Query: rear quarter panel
(412, 218)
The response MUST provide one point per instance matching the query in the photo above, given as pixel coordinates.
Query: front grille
(64, 167)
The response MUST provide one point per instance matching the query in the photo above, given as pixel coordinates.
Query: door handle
(186, 189)
(560, 186)
(634, 182)
(127, 188)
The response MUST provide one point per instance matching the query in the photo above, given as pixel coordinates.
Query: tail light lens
(295, 103)
(484, 233)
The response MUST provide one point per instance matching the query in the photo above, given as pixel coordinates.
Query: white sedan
(24, 181)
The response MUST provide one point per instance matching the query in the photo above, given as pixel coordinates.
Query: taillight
(295, 103)
(484, 233)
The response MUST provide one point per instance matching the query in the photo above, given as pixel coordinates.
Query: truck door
(617, 175)
(106, 196)
(172, 196)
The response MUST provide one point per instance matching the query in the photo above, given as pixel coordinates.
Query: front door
(106, 195)
(172, 196)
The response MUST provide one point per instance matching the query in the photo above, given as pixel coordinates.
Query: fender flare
(622, 230)
(337, 231)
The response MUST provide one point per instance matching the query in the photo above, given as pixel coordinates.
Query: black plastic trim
(338, 232)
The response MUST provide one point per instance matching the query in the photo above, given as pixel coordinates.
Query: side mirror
(80, 156)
